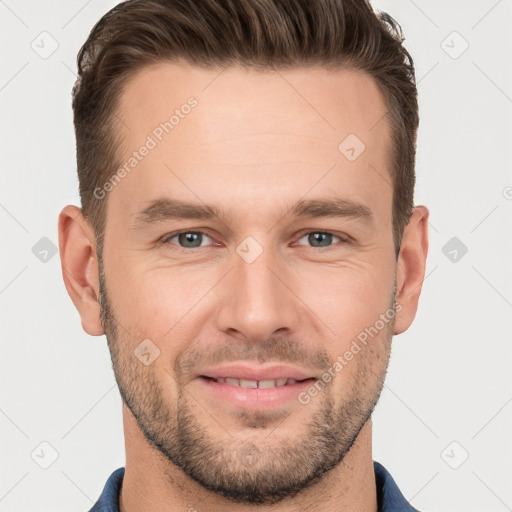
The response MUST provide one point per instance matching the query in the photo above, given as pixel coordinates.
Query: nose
(258, 300)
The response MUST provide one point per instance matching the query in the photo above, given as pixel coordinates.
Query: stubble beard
(241, 470)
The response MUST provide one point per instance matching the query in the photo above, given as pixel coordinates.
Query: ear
(80, 267)
(411, 268)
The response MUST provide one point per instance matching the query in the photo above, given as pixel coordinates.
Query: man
(248, 244)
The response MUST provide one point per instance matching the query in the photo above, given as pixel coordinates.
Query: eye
(187, 239)
(197, 239)
(320, 238)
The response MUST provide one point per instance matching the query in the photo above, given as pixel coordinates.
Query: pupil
(319, 237)
(190, 239)
(316, 239)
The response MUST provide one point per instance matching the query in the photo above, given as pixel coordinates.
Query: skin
(252, 147)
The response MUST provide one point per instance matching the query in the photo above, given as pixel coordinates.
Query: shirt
(389, 497)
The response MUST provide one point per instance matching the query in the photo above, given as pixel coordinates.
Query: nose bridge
(257, 303)
(258, 284)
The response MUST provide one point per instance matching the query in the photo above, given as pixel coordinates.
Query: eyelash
(166, 239)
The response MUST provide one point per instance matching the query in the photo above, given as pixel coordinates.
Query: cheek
(348, 299)
(171, 305)
(161, 304)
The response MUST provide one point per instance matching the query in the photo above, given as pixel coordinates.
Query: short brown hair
(263, 34)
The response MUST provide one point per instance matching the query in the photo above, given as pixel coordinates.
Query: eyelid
(344, 238)
(169, 236)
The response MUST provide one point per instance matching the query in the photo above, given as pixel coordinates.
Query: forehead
(235, 134)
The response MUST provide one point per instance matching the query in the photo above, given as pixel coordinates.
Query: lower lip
(255, 397)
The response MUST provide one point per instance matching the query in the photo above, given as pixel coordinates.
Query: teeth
(262, 384)
(248, 383)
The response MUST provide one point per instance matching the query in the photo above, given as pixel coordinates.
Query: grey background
(448, 395)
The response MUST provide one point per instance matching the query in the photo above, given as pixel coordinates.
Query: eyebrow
(166, 209)
(337, 207)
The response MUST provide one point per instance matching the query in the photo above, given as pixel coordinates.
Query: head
(246, 174)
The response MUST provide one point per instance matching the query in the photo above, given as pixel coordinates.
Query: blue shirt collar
(389, 497)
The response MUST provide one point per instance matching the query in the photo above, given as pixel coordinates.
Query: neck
(151, 482)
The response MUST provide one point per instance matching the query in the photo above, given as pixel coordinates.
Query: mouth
(255, 387)
(257, 384)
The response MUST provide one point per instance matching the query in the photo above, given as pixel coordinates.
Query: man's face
(257, 291)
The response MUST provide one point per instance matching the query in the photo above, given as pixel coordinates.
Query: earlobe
(411, 268)
(80, 267)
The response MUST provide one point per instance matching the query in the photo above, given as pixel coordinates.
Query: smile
(255, 384)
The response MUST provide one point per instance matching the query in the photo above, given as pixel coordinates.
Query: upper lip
(260, 372)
